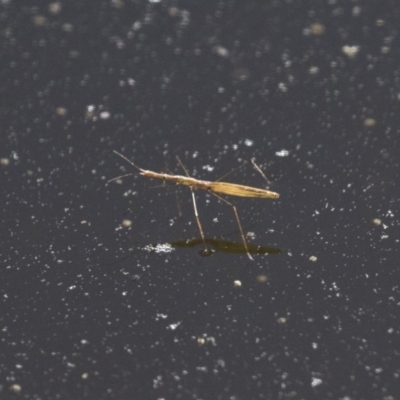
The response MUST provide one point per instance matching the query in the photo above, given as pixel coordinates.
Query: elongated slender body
(230, 189)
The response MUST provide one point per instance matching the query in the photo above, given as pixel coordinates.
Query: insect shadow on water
(213, 187)
(226, 246)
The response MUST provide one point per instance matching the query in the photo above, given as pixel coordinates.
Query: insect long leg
(238, 221)
(206, 250)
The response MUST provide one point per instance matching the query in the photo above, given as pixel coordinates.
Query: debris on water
(377, 221)
(369, 122)
(262, 278)
(316, 29)
(126, 223)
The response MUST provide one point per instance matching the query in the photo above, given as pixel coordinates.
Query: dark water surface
(104, 294)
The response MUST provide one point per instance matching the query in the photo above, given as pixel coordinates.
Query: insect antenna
(253, 161)
(183, 167)
(231, 171)
(127, 159)
(118, 177)
(130, 162)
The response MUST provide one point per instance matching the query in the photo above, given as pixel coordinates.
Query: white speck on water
(316, 382)
(105, 115)
(282, 87)
(221, 51)
(159, 248)
(174, 326)
(350, 51)
(208, 168)
(282, 153)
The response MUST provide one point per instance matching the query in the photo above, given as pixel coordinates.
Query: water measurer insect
(213, 187)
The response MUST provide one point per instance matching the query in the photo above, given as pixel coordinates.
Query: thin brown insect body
(231, 189)
(234, 189)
